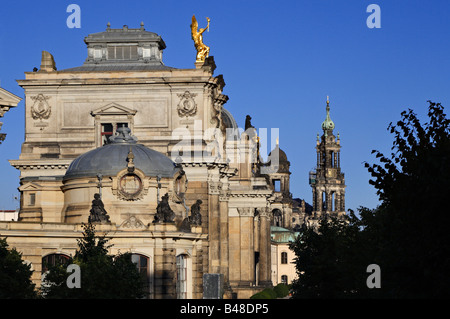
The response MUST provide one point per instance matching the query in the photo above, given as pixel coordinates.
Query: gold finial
(328, 100)
(197, 36)
(277, 141)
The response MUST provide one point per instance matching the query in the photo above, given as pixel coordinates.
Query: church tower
(327, 182)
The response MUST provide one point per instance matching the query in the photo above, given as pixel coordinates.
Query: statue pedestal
(162, 227)
(199, 64)
(196, 229)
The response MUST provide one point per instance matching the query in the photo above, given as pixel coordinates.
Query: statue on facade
(248, 122)
(194, 220)
(197, 36)
(163, 211)
(98, 212)
(196, 217)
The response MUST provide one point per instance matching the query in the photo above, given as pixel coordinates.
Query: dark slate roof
(99, 58)
(117, 67)
(109, 159)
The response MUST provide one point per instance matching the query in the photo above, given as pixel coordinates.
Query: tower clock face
(130, 184)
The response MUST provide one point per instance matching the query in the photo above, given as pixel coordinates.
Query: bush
(281, 290)
(267, 293)
(261, 295)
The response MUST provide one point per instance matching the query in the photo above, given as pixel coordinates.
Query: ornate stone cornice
(40, 164)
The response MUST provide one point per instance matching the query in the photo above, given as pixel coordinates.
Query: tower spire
(328, 124)
(327, 181)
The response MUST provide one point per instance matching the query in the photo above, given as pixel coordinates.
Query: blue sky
(280, 59)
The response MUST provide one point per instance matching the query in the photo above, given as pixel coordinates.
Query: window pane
(143, 262)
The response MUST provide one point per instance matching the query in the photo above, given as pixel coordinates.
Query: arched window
(53, 260)
(284, 257)
(277, 217)
(182, 276)
(143, 265)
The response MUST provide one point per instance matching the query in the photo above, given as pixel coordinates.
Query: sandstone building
(151, 155)
(140, 147)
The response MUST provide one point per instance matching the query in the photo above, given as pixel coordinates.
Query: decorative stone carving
(40, 110)
(187, 106)
(132, 222)
(214, 188)
(163, 211)
(98, 212)
(246, 211)
(130, 183)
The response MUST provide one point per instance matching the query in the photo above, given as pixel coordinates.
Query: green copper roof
(328, 124)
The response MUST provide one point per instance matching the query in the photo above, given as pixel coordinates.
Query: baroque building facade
(150, 154)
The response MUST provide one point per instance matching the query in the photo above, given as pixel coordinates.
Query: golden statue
(197, 36)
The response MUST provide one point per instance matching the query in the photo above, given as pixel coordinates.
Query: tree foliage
(407, 235)
(15, 274)
(102, 275)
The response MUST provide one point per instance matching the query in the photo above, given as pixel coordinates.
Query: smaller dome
(282, 163)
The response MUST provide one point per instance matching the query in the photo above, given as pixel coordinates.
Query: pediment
(30, 186)
(113, 109)
(7, 100)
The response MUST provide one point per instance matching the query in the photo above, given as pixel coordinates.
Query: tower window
(284, 279)
(284, 258)
(277, 185)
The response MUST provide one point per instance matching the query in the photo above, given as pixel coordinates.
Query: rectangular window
(284, 258)
(32, 199)
(106, 133)
(123, 52)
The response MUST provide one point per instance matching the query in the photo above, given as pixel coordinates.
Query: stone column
(264, 247)
(320, 200)
(337, 201)
(214, 227)
(223, 225)
(328, 201)
(247, 254)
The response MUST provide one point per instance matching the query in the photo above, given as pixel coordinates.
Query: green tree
(102, 275)
(406, 235)
(15, 275)
(328, 260)
(412, 221)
